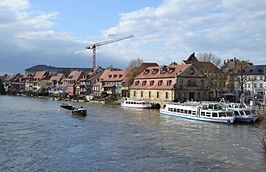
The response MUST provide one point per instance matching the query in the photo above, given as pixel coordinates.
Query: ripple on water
(35, 136)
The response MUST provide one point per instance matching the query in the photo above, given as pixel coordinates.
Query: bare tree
(133, 64)
(210, 57)
(134, 68)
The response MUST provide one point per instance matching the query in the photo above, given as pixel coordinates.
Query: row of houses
(189, 80)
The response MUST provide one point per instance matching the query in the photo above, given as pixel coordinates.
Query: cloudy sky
(56, 32)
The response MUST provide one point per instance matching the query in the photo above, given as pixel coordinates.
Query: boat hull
(227, 120)
(136, 106)
(250, 119)
(73, 111)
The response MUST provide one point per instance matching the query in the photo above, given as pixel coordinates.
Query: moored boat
(73, 110)
(141, 104)
(199, 112)
(242, 113)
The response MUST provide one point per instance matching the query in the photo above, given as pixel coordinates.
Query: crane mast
(93, 47)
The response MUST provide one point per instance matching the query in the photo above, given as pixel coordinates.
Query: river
(36, 136)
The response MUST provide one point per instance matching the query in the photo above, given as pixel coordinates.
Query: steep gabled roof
(56, 77)
(39, 75)
(74, 75)
(191, 58)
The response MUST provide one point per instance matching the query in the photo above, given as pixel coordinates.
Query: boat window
(182, 111)
(185, 111)
(134, 102)
(214, 114)
(170, 109)
(242, 112)
(236, 113)
(204, 107)
(247, 112)
(221, 114)
(202, 114)
(174, 109)
(194, 113)
(178, 110)
(229, 114)
(189, 112)
(208, 114)
(210, 106)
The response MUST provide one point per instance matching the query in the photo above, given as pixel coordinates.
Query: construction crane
(93, 47)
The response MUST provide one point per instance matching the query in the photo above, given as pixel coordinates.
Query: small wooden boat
(73, 110)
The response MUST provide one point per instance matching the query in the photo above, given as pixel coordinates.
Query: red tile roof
(162, 71)
(74, 75)
(56, 77)
(39, 75)
(113, 75)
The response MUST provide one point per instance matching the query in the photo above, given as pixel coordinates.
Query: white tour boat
(242, 113)
(141, 104)
(198, 111)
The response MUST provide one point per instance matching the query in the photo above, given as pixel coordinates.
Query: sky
(56, 32)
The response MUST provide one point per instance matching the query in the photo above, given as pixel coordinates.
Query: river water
(36, 136)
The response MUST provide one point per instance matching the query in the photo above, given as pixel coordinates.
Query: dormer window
(115, 76)
(163, 70)
(120, 76)
(144, 83)
(146, 71)
(160, 82)
(136, 83)
(171, 70)
(151, 83)
(154, 71)
(109, 76)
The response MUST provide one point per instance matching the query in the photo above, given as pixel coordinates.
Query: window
(154, 71)
(261, 77)
(192, 83)
(146, 71)
(160, 82)
(166, 95)
(144, 83)
(120, 76)
(158, 95)
(248, 85)
(261, 85)
(141, 94)
(214, 114)
(136, 83)
(255, 85)
(202, 114)
(134, 93)
(115, 75)
(221, 114)
(202, 83)
(169, 82)
(208, 114)
(163, 70)
(151, 83)
(149, 94)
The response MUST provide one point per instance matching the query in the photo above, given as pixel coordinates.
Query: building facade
(253, 81)
(169, 83)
